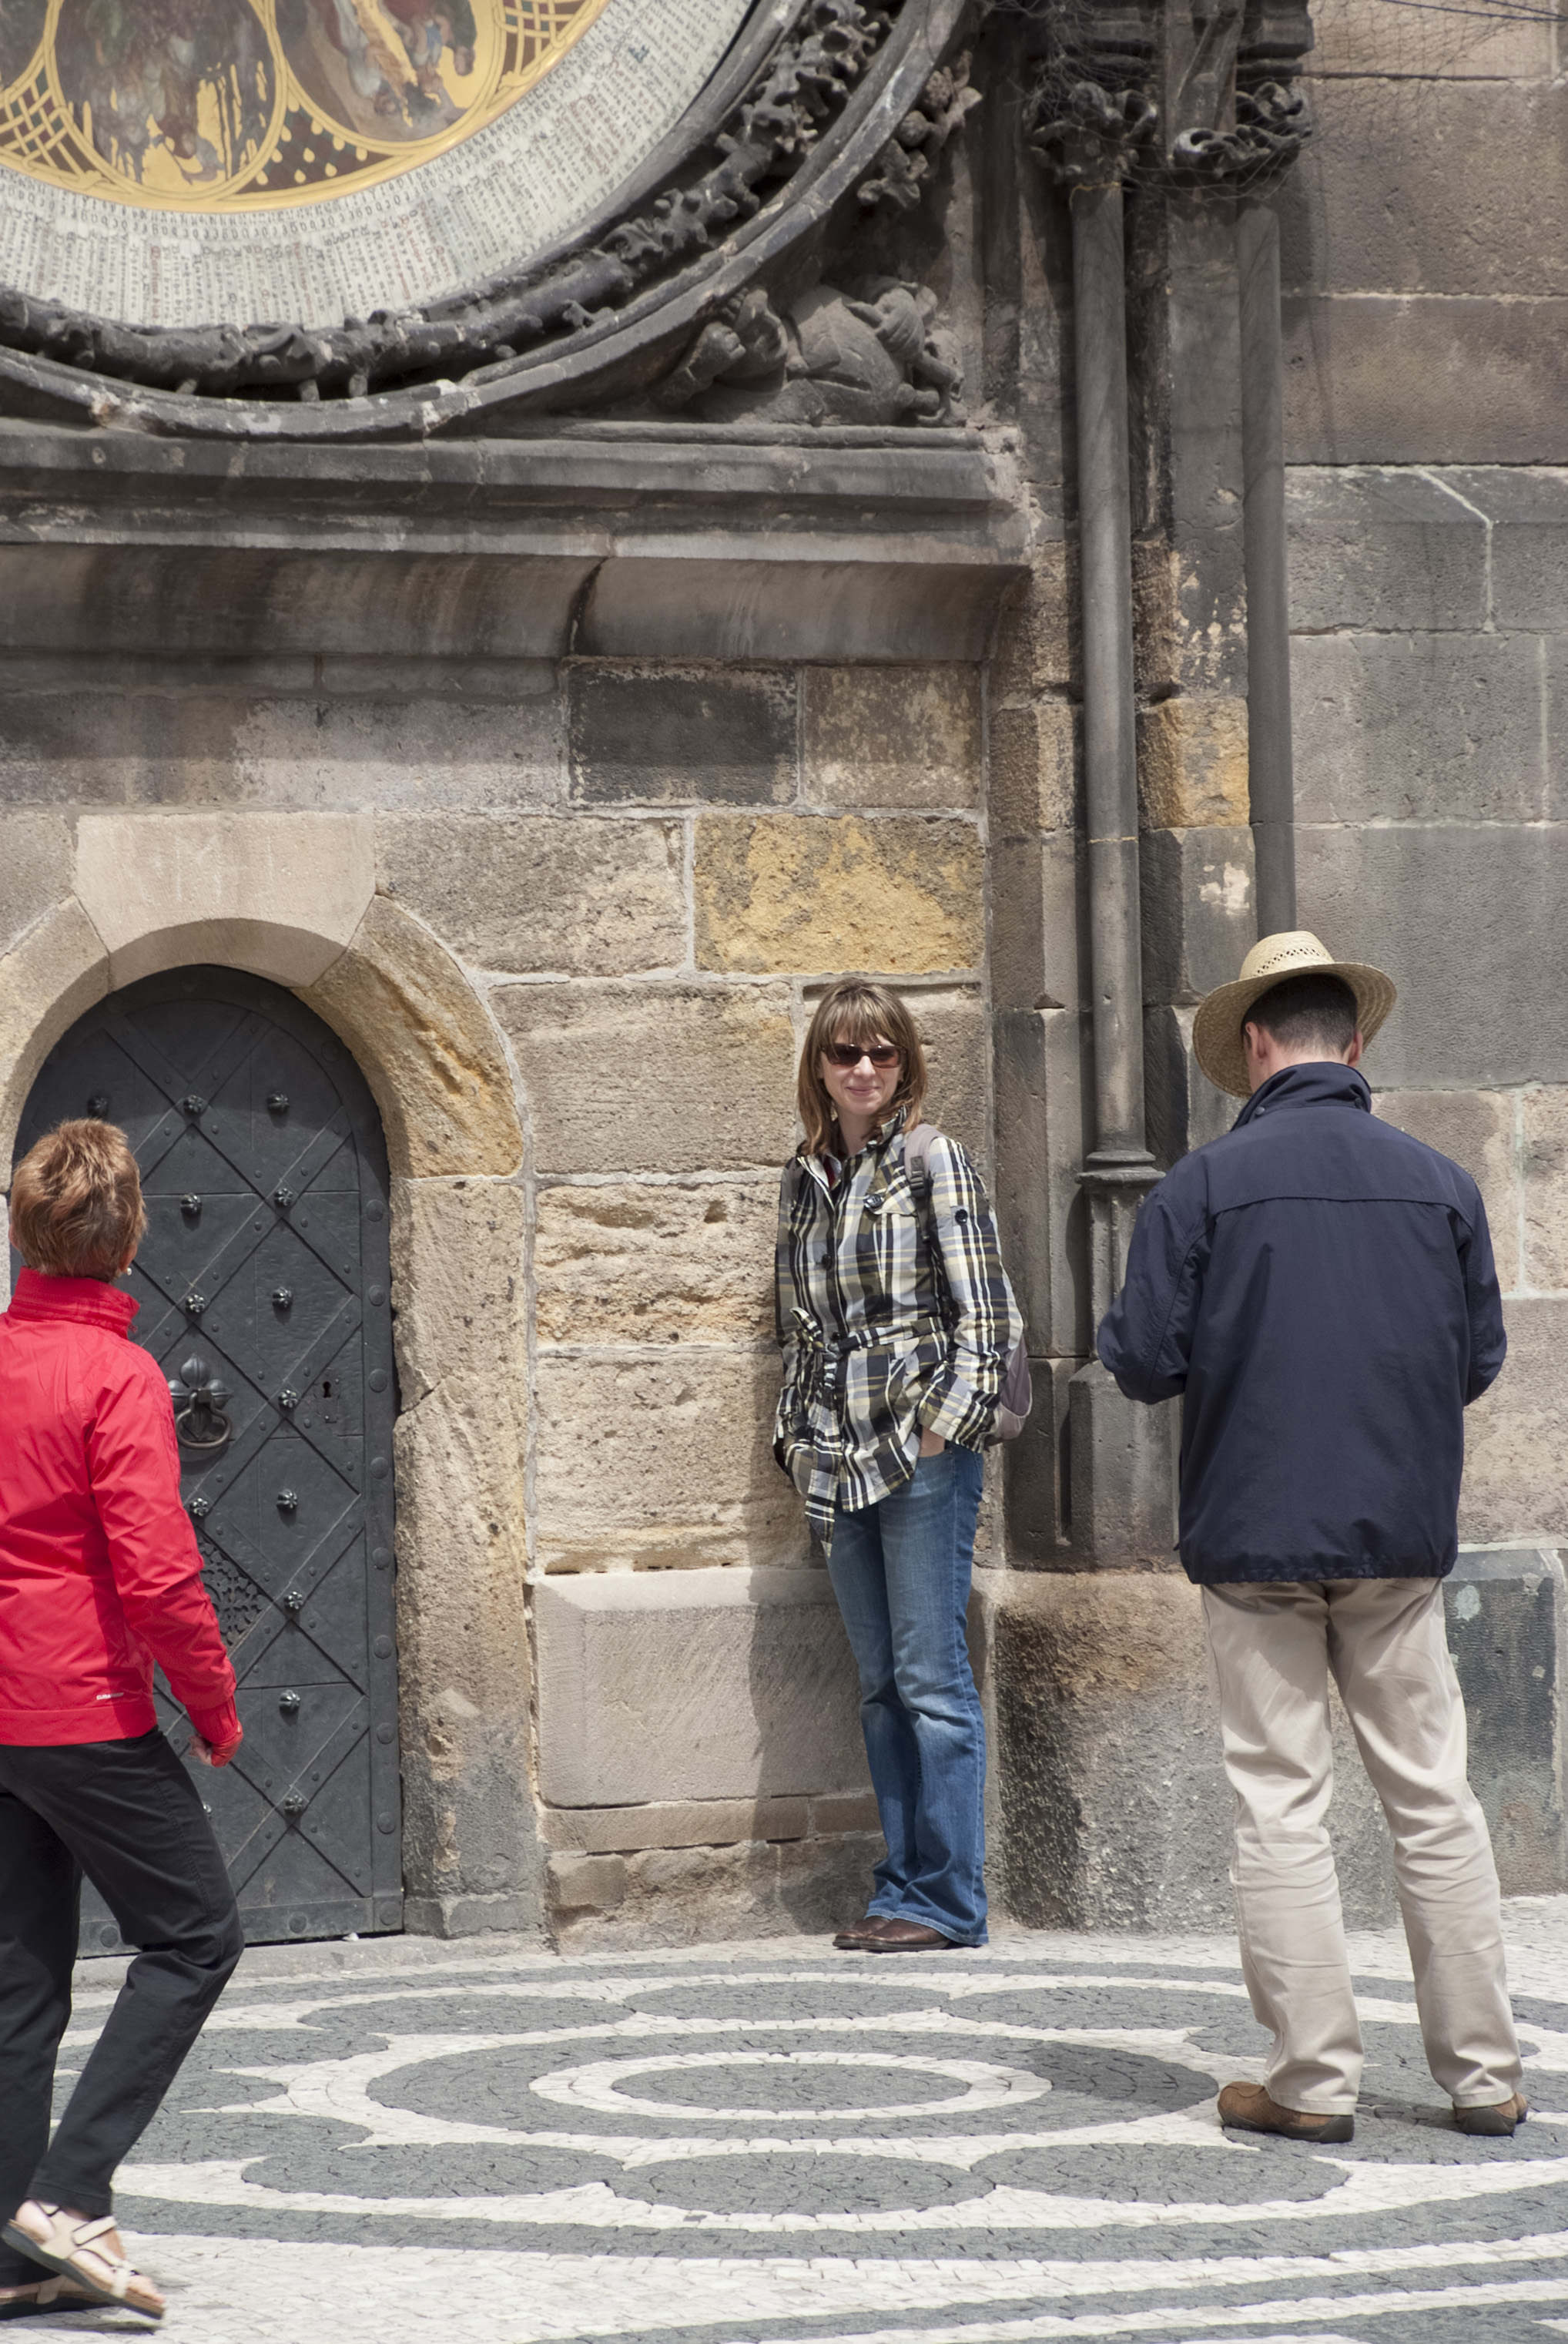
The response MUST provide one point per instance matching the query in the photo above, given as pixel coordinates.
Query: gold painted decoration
(234, 105)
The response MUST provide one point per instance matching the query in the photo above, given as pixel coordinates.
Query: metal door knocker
(199, 1397)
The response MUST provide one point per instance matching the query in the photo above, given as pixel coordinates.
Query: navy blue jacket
(1320, 1288)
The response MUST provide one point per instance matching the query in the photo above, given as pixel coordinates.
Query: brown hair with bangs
(856, 1009)
(77, 1205)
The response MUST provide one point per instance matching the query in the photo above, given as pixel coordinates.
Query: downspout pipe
(1270, 768)
(1119, 1169)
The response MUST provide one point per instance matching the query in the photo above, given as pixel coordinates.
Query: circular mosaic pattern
(771, 2085)
(1189, 2177)
(458, 2171)
(794, 2181)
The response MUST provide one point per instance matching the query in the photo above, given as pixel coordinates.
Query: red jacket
(100, 1575)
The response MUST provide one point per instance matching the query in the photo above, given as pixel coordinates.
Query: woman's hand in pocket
(932, 1444)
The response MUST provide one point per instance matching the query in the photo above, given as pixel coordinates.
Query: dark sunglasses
(849, 1054)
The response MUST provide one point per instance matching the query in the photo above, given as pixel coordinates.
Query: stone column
(1087, 134)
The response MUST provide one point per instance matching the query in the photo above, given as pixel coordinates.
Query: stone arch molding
(290, 896)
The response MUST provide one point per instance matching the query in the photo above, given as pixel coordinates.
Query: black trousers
(128, 1815)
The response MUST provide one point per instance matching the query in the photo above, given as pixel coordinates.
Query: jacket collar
(1322, 1082)
(87, 1300)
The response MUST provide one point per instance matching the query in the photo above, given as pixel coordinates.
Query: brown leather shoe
(910, 1937)
(1246, 2107)
(859, 1934)
(1500, 2123)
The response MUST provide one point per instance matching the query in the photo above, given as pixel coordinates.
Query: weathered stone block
(281, 894)
(703, 1895)
(1034, 760)
(414, 751)
(1528, 508)
(664, 735)
(1186, 1109)
(685, 1076)
(1402, 728)
(1425, 379)
(1197, 917)
(654, 1463)
(698, 1822)
(1517, 1444)
(1040, 923)
(181, 743)
(635, 1264)
(1122, 1468)
(35, 858)
(1387, 895)
(1505, 1613)
(1043, 1094)
(536, 893)
(1389, 550)
(463, 1645)
(844, 1811)
(834, 891)
(1035, 1474)
(1192, 764)
(426, 1046)
(1115, 1809)
(893, 736)
(1037, 632)
(952, 1027)
(1543, 1174)
(58, 971)
(508, 680)
(1476, 1129)
(585, 1884)
(457, 1286)
(1432, 202)
(1351, 38)
(694, 1685)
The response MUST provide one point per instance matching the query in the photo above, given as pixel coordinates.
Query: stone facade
(558, 760)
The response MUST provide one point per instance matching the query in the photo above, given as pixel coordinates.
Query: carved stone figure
(865, 354)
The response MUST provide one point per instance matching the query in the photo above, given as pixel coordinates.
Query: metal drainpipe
(1272, 779)
(1119, 1169)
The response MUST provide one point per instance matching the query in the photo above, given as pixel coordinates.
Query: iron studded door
(263, 1283)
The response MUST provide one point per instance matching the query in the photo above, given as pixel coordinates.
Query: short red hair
(77, 1207)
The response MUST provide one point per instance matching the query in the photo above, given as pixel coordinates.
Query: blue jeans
(901, 1571)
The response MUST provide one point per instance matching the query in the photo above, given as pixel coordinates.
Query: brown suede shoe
(910, 1937)
(1500, 2123)
(859, 1934)
(1246, 2107)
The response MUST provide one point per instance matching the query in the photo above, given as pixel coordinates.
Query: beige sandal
(49, 2295)
(74, 2250)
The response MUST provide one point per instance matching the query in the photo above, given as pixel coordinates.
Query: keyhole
(327, 1388)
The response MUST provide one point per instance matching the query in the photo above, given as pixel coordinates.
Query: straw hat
(1217, 1028)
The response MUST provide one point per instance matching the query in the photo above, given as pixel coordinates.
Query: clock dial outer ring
(623, 348)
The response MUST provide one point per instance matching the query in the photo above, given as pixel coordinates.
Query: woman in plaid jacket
(896, 1323)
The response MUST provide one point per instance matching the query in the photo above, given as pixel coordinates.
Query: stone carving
(1232, 119)
(783, 116)
(865, 354)
(1091, 114)
(908, 163)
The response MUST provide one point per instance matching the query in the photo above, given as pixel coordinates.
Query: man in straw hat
(1319, 1289)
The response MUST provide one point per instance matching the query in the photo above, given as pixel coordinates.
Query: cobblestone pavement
(774, 2142)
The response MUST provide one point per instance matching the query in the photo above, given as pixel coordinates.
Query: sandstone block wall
(591, 908)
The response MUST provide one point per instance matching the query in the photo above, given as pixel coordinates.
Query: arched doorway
(265, 1271)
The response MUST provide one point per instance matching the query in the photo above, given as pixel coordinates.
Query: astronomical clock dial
(174, 163)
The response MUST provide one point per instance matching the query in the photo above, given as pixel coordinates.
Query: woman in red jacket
(100, 1577)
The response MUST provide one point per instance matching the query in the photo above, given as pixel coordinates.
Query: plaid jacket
(895, 1317)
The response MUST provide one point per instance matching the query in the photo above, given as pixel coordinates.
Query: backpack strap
(918, 1152)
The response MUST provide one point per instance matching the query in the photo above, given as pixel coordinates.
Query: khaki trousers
(1385, 1641)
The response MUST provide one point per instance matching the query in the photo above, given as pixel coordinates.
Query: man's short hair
(77, 1205)
(1307, 1012)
